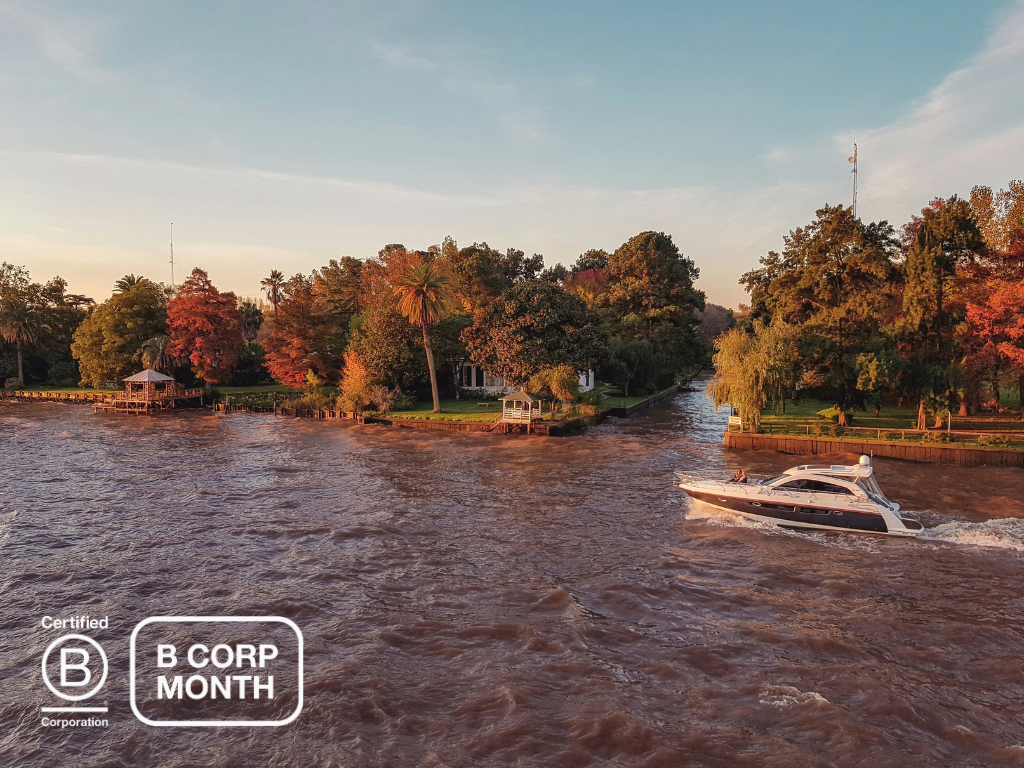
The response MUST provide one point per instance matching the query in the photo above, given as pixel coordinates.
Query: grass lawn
(806, 412)
(452, 410)
(257, 390)
(616, 401)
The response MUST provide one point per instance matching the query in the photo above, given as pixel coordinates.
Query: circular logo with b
(81, 661)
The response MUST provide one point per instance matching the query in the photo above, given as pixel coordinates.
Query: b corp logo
(75, 669)
(189, 671)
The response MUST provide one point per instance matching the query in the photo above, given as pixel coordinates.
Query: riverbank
(961, 455)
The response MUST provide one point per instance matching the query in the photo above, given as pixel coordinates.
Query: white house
(475, 378)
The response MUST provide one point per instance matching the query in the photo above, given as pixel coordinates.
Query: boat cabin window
(813, 486)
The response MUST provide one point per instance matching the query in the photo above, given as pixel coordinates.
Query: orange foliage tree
(204, 329)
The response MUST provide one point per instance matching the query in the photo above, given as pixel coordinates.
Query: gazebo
(149, 391)
(520, 407)
(149, 385)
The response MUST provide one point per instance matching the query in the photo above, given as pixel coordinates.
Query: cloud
(71, 42)
(400, 58)
(968, 130)
(459, 76)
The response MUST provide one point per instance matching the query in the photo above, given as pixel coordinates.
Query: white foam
(1003, 533)
(788, 696)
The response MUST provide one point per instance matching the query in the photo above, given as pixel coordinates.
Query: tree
(650, 296)
(250, 319)
(272, 286)
(560, 383)
(204, 328)
(447, 344)
(533, 326)
(128, 282)
(594, 259)
(753, 368)
(422, 293)
(833, 280)
(305, 335)
(943, 242)
(108, 343)
(18, 326)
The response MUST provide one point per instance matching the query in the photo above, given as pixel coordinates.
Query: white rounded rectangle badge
(206, 671)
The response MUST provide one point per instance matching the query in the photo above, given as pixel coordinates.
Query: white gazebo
(520, 408)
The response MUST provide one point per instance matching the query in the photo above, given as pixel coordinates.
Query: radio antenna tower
(853, 159)
(172, 255)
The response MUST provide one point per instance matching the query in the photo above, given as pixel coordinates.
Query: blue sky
(280, 135)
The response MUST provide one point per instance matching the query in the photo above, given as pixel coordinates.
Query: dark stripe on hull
(796, 513)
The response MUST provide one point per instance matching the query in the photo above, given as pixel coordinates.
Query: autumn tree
(533, 326)
(204, 328)
(108, 344)
(305, 335)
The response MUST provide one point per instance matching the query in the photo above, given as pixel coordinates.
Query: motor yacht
(834, 498)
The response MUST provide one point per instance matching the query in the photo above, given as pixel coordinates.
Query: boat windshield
(771, 480)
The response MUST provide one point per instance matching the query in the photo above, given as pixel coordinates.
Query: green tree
(943, 242)
(422, 293)
(19, 326)
(752, 369)
(533, 326)
(560, 383)
(108, 344)
(250, 320)
(833, 279)
(650, 295)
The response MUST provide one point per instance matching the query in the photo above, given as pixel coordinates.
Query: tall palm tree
(272, 287)
(128, 282)
(18, 326)
(422, 293)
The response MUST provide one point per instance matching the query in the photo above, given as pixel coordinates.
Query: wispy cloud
(458, 75)
(399, 57)
(71, 42)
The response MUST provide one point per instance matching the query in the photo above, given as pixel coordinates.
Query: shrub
(993, 440)
(936, 437)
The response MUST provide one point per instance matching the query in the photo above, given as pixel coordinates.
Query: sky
(283, 135)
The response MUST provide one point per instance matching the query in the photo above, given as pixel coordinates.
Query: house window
(479, 376)
(586, 379)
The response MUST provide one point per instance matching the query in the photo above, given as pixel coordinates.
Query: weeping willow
(753, 368)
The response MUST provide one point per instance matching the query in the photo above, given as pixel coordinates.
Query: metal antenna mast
(853, 160)
(172, 254)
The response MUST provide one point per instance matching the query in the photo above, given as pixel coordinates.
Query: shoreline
(965, 456)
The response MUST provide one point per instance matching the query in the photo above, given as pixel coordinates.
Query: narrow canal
(474, 600)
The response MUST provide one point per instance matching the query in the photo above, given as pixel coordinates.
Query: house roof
(148, 375)
(521, 395)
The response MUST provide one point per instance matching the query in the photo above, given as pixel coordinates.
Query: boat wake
(1003, 533)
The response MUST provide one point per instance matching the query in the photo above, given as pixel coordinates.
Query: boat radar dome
(865, 461)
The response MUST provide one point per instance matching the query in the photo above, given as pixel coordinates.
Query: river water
(478, 600)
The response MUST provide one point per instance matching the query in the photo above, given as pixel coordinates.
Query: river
(479, 600)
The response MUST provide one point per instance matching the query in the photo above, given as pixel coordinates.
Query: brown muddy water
(474, 600)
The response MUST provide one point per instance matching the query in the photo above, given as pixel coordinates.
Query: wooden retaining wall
(964, 456)
(74, 397)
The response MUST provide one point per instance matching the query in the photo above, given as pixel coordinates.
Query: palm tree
(272, 287)
(154, 353)
(422, 298)
(128, 282)
(18, 326)
(250, 317)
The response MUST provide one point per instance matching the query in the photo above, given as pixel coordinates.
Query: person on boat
(742, 476)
